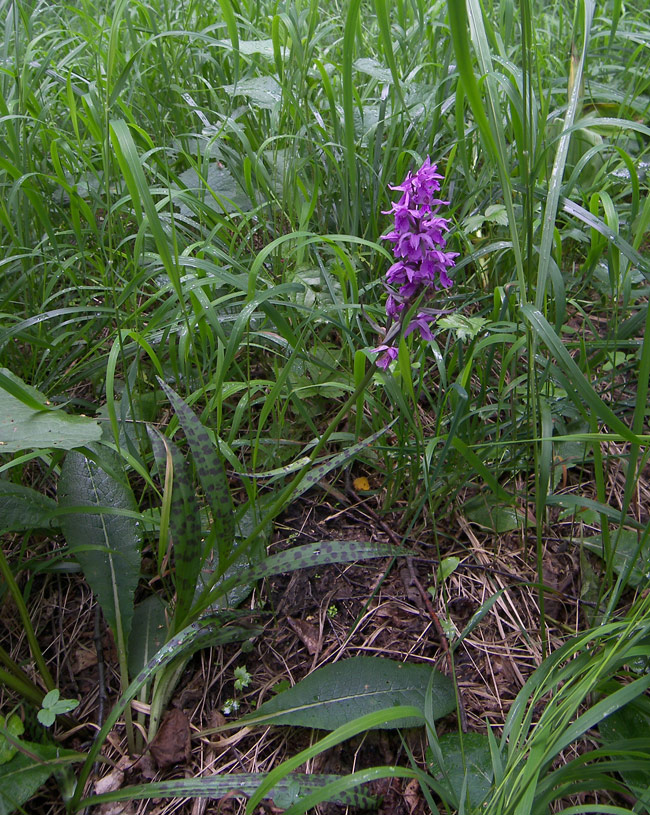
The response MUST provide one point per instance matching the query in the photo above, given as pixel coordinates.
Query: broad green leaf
(629, 722)
(148, 632)
(336, 694)
(248, 47)
(21, 777)
(107, 547)
(465, 328)
(374, 69)
(491, 514)
(626, 550)
(184, 521)
(497, 214)
(447, 567)
(286, 792)
(210, 469)
(28, 422)
(24, 508)
(466, 757)
(263, 91)
(219, 191)
(14, 727)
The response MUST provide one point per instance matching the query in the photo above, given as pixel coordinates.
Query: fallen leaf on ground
(308, 634)
(172, 742)
(113, 780)
(82, 659)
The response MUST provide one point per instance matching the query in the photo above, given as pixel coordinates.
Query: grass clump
(192, 205)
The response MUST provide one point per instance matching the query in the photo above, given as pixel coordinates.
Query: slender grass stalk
(34, 647)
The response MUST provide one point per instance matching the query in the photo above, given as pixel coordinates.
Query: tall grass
(195, 191)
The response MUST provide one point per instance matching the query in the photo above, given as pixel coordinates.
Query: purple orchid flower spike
(422, 262)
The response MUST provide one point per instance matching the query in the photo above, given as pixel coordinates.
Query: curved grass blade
(231, 23)
(576, 380)
(131, 167)
(557, 174)
(490, 128)
(347, 731)
(319, 471)
(599, 225)
(383, 20)
(351, 194)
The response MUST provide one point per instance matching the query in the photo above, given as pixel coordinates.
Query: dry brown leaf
(147, 767)
(308, 634)
(109, 783)
(113, 780)
(412, 795)
(172, 742)
(83, 658)
(117, 808)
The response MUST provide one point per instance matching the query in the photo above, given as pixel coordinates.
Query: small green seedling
(52, 706)
(446, 568)
(14, 727)
(242, 678)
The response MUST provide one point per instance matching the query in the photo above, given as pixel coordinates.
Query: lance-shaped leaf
(336, 694)
(210, 631)
(107, 546)
(302, 557)
(209, 468)
(21, 777)
(184, 521)
(148, 633)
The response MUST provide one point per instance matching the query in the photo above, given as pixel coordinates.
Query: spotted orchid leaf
(210, 470)
(184, 520)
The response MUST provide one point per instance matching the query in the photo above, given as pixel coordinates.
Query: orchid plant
(422, 262)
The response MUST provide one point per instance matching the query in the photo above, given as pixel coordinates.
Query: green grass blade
(557, 173)
(576, 379)
(351, 203)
